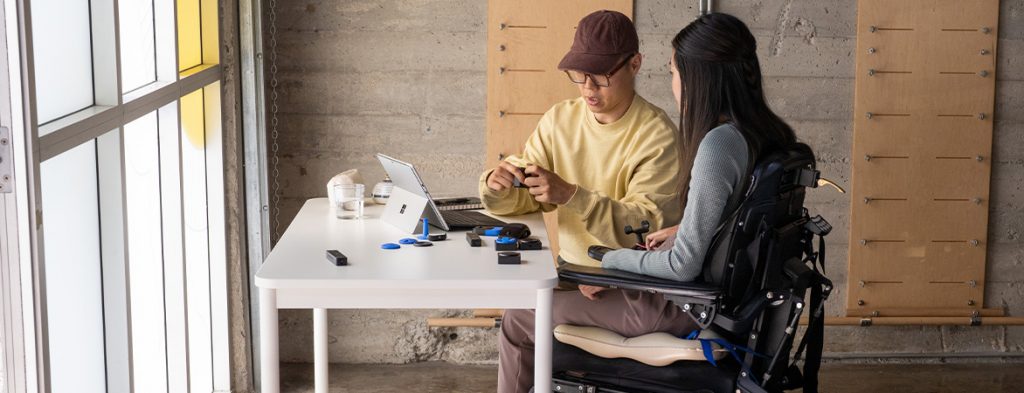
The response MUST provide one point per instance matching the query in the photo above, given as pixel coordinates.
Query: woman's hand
(590, 291)
(656, 239)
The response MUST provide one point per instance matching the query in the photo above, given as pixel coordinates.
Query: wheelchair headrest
(791, 167)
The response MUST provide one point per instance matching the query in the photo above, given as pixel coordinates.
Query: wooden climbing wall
(525, 41)
(925, 88)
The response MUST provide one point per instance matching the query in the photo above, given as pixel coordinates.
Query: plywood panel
(525, 41)
(508, 135)
(913, 260)
(925, 90)
(965, 51)
(906, 295)
(525, 90)
(926, 96)
(898, 218)
(893, 136)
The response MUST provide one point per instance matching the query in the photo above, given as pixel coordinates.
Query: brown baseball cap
(602, 39)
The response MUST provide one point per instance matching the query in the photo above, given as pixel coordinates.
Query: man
(604, 160)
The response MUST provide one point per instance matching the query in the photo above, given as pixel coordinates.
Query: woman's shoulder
(726, 137)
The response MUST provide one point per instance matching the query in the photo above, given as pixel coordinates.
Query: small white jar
(382, 191)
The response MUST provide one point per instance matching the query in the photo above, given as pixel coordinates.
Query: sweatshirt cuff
(582, 202)
(612, 258)
(487, 193)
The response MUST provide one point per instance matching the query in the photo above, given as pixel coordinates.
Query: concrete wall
(407, 78)
(240, 352)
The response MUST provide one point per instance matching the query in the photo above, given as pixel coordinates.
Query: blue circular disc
(390, 246)
(505, 240)
(407, 240)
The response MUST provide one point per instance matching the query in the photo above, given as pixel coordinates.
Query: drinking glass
(349, 201)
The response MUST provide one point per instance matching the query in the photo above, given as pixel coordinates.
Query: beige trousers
(629, 313)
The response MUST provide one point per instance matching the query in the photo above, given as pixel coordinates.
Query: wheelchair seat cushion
(627, 375)
(654, 349)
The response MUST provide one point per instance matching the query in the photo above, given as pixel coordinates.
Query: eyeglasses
(580, 77)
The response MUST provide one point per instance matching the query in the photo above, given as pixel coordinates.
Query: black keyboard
(464, 219)
(468, 203)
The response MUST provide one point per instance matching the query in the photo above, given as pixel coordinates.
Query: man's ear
(635, 62)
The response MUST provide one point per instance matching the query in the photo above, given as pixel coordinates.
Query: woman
(725, 125)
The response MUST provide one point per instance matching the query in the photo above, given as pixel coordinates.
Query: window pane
(173, 247)
(71, 231)
(189, 39)
(138, 57)
(218, 240)
(62, 47)
(145, 254)
(113, 253)
(197, 263)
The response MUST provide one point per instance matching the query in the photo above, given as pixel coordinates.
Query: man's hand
(590, 292)
(502, 177)
(547, 187)
(656, 239)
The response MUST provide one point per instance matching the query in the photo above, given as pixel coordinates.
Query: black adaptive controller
(509, 258)
(639, 232)
(437, 237)
(530, 243)
(506, 244)
(515, 180)
(515, 230)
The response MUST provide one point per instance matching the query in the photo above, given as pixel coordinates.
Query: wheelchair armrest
(612, 278)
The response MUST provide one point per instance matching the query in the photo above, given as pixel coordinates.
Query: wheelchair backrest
(753, 255)
(747, 253)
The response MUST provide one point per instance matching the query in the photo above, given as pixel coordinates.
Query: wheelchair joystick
(639, 232)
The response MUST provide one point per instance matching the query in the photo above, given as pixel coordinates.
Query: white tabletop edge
(299, 258)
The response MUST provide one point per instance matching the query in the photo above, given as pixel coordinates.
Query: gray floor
(436, 377)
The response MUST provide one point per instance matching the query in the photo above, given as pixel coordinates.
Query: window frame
(104, 122)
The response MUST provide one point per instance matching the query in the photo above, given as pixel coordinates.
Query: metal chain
(275, 173)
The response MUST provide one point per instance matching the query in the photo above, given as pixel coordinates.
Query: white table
(451, 274)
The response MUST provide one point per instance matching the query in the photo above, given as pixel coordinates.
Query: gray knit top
(718, 170)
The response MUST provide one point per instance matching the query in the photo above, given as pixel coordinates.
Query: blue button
(505, 240)
(390, 246)
(407, 240)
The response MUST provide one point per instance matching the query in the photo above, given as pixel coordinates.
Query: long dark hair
(716, 57)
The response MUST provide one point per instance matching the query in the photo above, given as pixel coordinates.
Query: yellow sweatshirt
(626, 171)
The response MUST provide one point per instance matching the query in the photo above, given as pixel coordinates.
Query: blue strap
(734, 350)
(709, 351)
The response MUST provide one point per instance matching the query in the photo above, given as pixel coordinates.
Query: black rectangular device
(473, 239)
(515, 180)
(337, 258)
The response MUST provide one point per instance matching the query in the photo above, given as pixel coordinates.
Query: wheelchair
(747, 302)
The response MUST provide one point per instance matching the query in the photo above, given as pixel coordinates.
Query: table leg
(320, 359)
(270, 369)
(542, 346)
